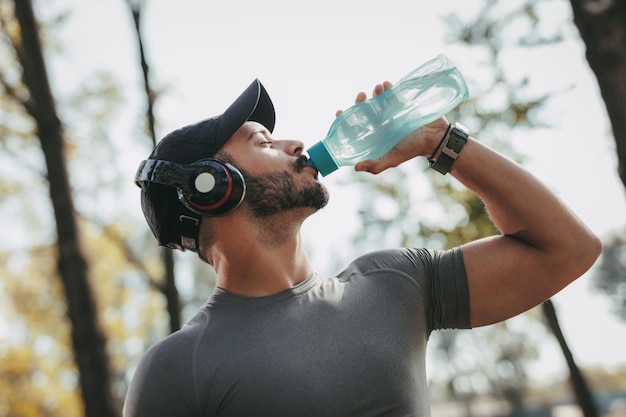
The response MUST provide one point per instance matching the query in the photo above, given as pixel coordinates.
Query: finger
(381, 88)
(360, 97)
(391, 159)
(372, 166)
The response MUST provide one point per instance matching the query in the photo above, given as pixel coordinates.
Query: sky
(313, 57)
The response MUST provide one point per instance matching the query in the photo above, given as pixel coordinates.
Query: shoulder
(181, 345)
(400, 268)
(438, 275)
(164, 380)
(411, 261)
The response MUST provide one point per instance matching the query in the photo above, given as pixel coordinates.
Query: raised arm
(543, 245)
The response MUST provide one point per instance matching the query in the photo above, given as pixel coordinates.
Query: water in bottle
(369, 129)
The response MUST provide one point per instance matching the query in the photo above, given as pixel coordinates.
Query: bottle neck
(321, 159)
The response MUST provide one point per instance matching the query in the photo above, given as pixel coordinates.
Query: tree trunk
(169, 289)
(602, 26)
(581, 390)
(87, 338)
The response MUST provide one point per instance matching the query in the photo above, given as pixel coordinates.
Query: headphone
(208, 187)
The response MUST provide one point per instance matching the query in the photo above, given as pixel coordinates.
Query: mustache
(300, 163)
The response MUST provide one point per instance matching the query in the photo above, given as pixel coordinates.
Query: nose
(293, 147)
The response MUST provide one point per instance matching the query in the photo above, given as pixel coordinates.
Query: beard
(276, 192)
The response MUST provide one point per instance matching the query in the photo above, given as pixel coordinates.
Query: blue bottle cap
(321, 159)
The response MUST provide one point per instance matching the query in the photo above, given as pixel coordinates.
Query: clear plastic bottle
(369, 129)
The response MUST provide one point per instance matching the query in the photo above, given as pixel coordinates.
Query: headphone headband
(166, 173)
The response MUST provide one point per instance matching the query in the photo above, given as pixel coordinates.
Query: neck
(266, 256)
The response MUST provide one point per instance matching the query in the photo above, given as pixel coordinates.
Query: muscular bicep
(506, 277)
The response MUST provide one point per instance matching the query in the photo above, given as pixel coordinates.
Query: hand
(420, 142)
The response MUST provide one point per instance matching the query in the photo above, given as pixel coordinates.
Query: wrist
(450, 149)
(437, 148)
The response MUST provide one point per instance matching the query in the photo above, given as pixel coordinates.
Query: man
(277, 340)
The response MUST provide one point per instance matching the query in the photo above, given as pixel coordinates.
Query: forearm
(518, 203)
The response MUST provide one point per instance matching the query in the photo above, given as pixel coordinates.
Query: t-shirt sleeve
(448, 295)
(445, 292)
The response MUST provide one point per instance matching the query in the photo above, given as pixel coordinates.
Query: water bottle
(370, 129)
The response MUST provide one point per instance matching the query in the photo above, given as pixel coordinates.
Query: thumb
(371, 166)
(391, 159)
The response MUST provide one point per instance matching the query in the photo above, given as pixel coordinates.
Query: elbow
(595, 250)
(597, 245)
(585, 252)
(571, 261)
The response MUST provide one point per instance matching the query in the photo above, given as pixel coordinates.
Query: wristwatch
(451, 149)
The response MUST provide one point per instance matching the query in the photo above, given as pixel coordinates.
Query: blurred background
(87, 87)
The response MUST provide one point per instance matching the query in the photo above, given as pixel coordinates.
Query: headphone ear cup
(217, 187)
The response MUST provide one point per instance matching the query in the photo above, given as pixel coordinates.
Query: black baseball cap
(173, 224)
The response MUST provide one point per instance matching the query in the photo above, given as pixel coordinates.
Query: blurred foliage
(37, 371)
(38, 375)
(610, 274)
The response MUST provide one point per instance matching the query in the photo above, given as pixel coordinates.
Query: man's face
(276, 174)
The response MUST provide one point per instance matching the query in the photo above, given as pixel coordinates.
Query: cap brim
(254, 104)
(203, 139)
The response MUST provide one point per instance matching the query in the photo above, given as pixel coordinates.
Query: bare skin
(542, 247)
(267, 256)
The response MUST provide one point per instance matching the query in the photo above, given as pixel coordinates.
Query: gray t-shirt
(353, 345)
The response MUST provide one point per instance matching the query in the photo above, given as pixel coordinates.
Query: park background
(313, 57)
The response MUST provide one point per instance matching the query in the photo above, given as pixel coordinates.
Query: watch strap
(451, 149)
